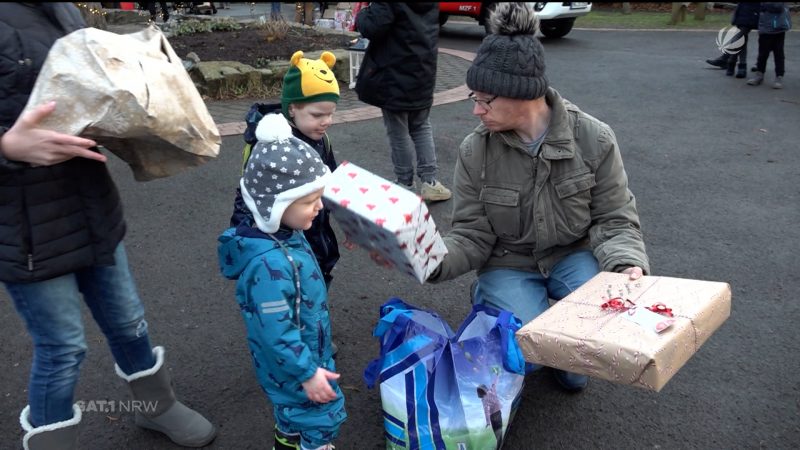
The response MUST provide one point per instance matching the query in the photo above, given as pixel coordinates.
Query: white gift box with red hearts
(379, 215)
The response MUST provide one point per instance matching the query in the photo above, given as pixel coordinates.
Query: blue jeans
(51, 310)
(527, 294)
(410, 134)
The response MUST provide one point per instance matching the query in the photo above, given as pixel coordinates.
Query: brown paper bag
(132, 95)
(580, 335)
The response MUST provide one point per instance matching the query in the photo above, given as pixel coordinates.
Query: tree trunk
(626, 8)
(700, 11)
(93, 14)
(678, 13)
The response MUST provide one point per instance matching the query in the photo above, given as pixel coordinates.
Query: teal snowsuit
(286, 348)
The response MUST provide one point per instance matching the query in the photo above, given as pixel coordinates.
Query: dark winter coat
(321, 235)
(774, 18)
(398, 71)
(288, 332)
(745, 16)
(55, 219)
(516, 211)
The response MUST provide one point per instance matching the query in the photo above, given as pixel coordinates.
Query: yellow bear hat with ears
(309, 80)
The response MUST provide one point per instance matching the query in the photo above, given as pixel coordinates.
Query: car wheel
(556, 28)
(443, 19)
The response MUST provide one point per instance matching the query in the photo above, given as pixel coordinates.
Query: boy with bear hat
(308, 101)
(270, 250)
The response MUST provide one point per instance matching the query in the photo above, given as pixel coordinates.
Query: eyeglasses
(485, 104)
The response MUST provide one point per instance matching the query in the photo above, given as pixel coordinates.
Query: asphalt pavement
(714, 165)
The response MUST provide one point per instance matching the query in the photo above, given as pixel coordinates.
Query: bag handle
(393, 322)
(391, 330)
(508, 325)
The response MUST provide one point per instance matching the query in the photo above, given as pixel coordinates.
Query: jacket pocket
(503, 209)
(575, 199)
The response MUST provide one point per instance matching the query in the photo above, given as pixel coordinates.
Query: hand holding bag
(444, 390)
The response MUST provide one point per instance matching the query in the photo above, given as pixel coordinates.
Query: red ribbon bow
(617, 304)
(661, 308)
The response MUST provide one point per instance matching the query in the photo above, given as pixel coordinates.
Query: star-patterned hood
(280, 170)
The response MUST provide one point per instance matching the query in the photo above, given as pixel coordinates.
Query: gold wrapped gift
(131, 94)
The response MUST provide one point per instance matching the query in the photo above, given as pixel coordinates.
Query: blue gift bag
(444, 390)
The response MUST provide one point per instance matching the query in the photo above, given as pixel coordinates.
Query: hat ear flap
(296, 57)
(328, 58)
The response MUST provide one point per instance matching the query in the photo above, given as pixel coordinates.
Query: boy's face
(300, 214)
(312, 119)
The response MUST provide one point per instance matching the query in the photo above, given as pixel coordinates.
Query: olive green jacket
(513, 210)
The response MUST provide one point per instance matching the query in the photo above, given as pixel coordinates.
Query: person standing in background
(773, 23)
(398, 75)
(745, 17)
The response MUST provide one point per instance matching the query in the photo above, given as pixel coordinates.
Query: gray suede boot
(55, 436)
(160, 411)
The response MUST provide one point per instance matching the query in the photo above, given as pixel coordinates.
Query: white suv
(555, 18)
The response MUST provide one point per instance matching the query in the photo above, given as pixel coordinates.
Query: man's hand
(26, 142)
(634, 272)
(317, 387)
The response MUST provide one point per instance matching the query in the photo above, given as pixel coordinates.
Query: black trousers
(771, 43)
(742, 55)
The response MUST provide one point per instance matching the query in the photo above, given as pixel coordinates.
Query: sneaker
(756, 80)
(410, 186)
(434, 192)
(778, 84)
(285, 441)
(570, 382)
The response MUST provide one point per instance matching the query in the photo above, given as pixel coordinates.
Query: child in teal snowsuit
(280, 288)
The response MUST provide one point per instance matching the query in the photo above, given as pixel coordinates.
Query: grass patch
(652, 20)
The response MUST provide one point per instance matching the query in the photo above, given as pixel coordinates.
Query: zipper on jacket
(27, 240)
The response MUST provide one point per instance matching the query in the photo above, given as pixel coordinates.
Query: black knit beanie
(510, 60)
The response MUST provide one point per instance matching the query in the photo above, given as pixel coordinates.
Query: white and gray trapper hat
(281, 169)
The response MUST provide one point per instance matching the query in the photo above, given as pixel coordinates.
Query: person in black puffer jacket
(398, 75)
(745, 17)
(61, 231)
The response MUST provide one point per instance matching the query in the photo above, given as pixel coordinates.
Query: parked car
(555, 18)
